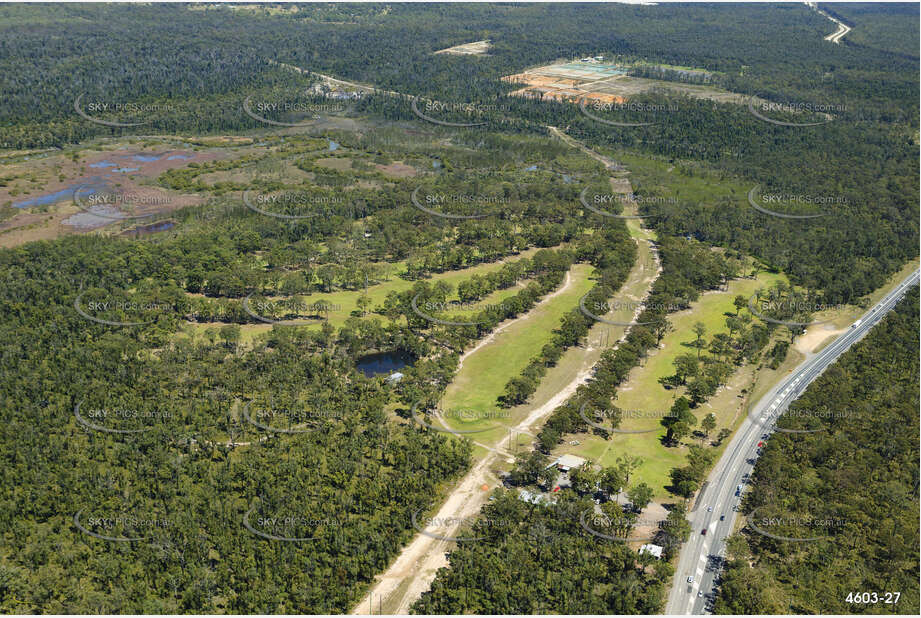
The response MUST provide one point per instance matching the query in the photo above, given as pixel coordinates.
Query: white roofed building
(654, 550)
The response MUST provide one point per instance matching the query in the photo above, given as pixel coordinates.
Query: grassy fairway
(346, 301)
(483, 376)
(504, 357)
(642, 392)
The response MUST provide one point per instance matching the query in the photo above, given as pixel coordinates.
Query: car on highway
(722, 517)
(704, 531)
(709, 509)
(700, 593)
(690, 579)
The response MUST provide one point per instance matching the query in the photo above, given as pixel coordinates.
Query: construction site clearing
(477, 48)
(592, 79)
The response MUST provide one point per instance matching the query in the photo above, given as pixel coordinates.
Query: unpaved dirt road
(608, 162)
(421, 559)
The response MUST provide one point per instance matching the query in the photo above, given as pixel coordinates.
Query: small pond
(383, 363)
(152, 228)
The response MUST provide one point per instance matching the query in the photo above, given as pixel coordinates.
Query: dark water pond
(153, 228)
(383, 363)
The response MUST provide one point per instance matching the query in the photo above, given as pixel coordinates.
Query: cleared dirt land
(607, 83)
(477, 48)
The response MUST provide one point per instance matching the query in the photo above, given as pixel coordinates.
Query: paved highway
(700, 556)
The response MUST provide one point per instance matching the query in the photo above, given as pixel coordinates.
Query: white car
(690, 579)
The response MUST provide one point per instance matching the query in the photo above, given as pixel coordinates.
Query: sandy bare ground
(808, 342)
(476, 48)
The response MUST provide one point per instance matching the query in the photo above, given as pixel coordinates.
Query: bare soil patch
(397, 169)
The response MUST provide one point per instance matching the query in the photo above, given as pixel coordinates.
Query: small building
(565, 463)
(394, 377)
(530, 497)
(653, 550)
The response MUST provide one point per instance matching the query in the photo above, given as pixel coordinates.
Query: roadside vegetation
(849, 481)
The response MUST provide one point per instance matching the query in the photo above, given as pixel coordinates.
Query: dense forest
(866, 155)
(852, 486)
(538, 559)
(151, 466)
(127, 426)
(146, 473)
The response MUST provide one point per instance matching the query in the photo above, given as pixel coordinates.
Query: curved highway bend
(837, 35)
(700, 556)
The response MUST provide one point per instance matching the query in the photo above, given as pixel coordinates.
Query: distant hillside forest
(193, 69)
(853, 485)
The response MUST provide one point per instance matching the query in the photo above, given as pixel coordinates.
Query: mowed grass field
(504, 357)
(647, 400)
(483, 375)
